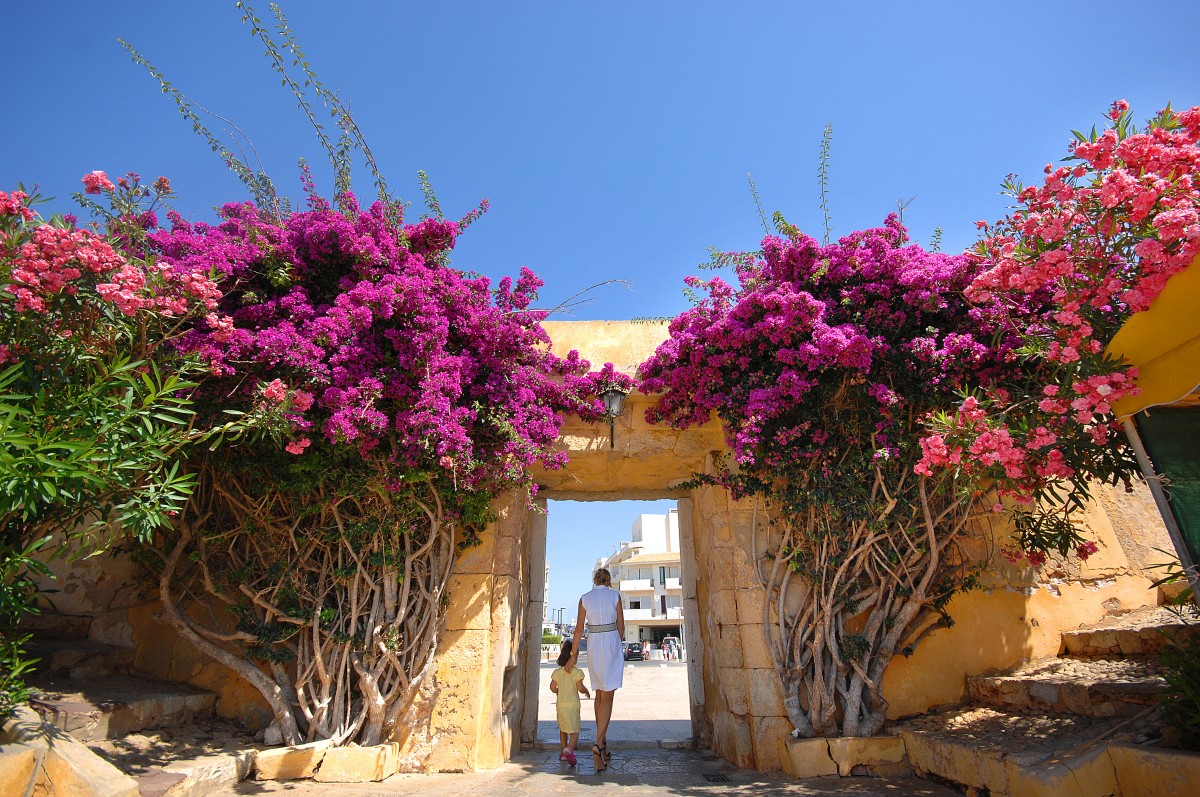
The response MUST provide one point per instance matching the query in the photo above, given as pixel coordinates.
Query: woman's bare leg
(604, 707)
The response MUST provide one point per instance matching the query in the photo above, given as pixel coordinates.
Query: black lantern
(614, 404)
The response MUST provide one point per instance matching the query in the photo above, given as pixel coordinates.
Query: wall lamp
(614, 404)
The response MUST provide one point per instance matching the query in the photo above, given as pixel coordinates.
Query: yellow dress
(568, 698)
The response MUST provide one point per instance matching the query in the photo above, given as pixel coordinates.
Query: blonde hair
(602, 577)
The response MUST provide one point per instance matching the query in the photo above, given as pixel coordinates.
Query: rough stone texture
(1092, 687)
(766, 752)
(735, 688)
(1086, 774)
(766, 693)
(358, 764)
(1141, 632)
(206, 774)
(290, 763)
(1154, 772)
(19, 762)
(66, 766)
(806, 758)
(108, 708)
(872, 752)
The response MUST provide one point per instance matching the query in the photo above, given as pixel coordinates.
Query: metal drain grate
(716, 777)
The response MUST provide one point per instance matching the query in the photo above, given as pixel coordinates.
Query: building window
(635, 604)
(662, 575)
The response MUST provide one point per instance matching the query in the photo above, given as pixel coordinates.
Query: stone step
(204, 756)
(1141, 632)
(79, 659)
(114, 706)
(1066, 685)
(986, 751)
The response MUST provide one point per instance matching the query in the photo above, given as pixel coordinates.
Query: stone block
(868, 752)
(354, 764)
(479, 558)
(507, 561)
(735, 688)
(767, 732)
(1080, 776)
(750, 605)
(722, 607)
(68, 767)
(206, 774)
(806, 758)
(470, 607)
(755, 653)
(725, 644)
(965, 764)
(1154, 771)
(720, 571)
(732, 740)
(766, 692)
(18, 766)
(290, 763)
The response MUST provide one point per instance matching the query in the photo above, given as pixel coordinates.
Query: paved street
(650, 710)
(633, 773)
(650, 714)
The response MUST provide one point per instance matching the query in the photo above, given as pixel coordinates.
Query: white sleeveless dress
(606, 659)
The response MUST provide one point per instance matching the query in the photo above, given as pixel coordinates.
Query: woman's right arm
(578, 632)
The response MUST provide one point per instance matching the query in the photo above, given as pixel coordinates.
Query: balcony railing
(637, 585)
(639, 614)
(671, 583)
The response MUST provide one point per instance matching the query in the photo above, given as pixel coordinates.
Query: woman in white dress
(601, 610)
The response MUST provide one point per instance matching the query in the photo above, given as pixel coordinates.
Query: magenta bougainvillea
(822, 365)
(356, 325)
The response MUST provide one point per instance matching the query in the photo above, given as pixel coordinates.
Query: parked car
(633, 651)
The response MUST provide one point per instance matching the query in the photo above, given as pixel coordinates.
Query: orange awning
(1164, 343)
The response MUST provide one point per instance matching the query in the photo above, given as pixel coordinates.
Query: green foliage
(823, 180)
(18, 597)
(1181, 704)
(549, 638)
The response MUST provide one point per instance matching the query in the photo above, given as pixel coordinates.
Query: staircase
(1059, 725)
(164, 735)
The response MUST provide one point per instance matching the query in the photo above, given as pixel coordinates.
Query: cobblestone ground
(633, 773)
(650, 709)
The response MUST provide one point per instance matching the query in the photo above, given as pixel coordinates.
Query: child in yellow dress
(567, 683)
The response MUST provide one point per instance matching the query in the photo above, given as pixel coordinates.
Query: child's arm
(583, 690)
(554, 686)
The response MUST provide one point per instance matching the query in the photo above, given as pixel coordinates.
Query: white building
(646, 572)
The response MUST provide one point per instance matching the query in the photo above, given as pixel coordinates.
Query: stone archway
(483, 702)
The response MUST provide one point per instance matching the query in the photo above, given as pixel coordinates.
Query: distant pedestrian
(567, 683)
(601, 610)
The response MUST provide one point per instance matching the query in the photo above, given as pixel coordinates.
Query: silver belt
(601, 628)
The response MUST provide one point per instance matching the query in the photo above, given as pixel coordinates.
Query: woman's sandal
(599, 761)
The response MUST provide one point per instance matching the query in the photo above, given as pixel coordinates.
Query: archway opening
(640, 544)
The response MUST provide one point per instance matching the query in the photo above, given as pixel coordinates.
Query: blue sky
(614, 139)
(579, 532)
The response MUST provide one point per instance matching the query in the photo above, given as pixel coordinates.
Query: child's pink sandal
(571, 757)
(563, 755)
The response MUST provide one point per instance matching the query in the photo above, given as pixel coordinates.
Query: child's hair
(565, 655)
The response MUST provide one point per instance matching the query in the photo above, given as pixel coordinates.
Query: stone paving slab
(641, 773)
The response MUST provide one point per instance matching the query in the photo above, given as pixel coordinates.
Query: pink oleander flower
(1086, 549)
(97, 182)
(297, 446)
(275, 392)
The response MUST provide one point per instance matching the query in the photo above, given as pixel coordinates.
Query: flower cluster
(352, 324)
(60, 277)
(822, 360)
(1094, 243)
